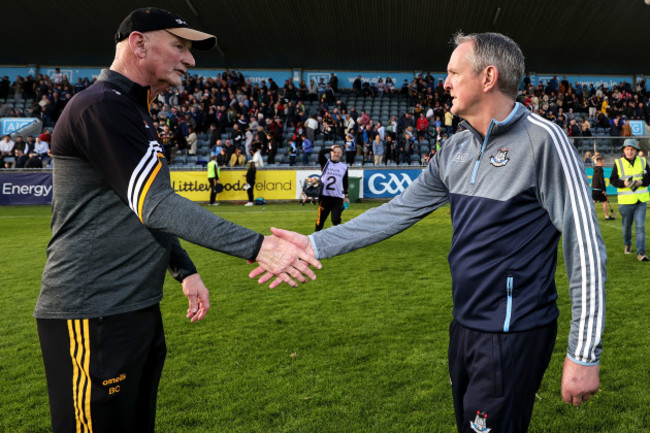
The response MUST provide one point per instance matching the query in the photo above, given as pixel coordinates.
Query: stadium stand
(592, 117)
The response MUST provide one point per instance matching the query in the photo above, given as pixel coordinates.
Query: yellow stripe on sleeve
(145, 190)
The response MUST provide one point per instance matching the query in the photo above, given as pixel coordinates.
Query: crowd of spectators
(239, 121)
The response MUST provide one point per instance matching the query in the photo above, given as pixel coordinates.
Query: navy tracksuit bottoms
(495, 376)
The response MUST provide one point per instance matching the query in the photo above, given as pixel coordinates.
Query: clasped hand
(286, 256)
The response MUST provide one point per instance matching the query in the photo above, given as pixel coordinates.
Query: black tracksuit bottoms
(103, 373)
(327, 205)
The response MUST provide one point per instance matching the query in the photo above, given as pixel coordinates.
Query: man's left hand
(579, 382)
(197, 295)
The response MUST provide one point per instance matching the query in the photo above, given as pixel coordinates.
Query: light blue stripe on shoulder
(510, 116)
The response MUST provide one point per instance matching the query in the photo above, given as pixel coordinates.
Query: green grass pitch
(361, 349)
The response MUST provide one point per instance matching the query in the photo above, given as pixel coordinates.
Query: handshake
(285, 256)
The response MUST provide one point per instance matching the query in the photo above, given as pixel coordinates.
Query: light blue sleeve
(423, 196)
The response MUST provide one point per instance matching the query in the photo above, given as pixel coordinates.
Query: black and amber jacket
(115, 218)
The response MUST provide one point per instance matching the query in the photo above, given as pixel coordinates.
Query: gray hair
(499, 51)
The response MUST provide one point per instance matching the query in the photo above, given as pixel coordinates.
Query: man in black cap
(115, 228)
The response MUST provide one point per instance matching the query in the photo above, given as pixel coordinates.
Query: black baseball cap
(151, 19)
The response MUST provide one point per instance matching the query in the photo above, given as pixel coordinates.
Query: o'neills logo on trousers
(197, 186)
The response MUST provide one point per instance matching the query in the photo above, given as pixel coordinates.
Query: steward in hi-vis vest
(630, 175)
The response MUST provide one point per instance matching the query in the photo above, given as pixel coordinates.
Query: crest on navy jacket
(479, 424)
(501, 158)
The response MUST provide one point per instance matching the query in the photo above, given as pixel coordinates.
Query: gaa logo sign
(637, 127)
(388, 183)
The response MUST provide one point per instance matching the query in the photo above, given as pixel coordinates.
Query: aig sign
(9, 125)
(387, 183)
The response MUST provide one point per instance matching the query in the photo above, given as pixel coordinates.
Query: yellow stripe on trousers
(78, 331)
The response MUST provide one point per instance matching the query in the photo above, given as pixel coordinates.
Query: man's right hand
(285, 255)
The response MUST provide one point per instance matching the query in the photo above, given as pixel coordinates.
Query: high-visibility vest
(213, 170)
(627, 171)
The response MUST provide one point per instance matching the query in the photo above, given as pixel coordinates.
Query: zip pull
(480, 154)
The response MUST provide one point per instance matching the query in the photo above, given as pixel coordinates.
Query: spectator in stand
(364, 120)
(166, 140)
(378, 149)
(5, 84)
(367, 140)
(7, 158)
(334, 82)
(238, 131)
(272, 148)
(390, 87)
(307, 147)
(574, 129)
(215, 134)
(321, 87)
(381, 87)
(42, 148)
(230, 148)
(192, 141)
(328, 126)
(313, 90)
(34, 160)
(293, 152)
(79, 86)
(256, 156)
(390, 150)
(602, 121)
(585, 127)
(311, 126)
(21, 152)
(406, 146)
(17, 87)
(422, 124)
(222, 158)
(356, 85)
(216, 149)
(404, 91)
(57, 77)
(615, 127)
(350, 149)
(449, 121)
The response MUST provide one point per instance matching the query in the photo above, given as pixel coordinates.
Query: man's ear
(138, 44)
(490, 77)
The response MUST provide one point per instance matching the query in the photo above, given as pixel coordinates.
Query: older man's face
(168, 58)
(463, 84)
